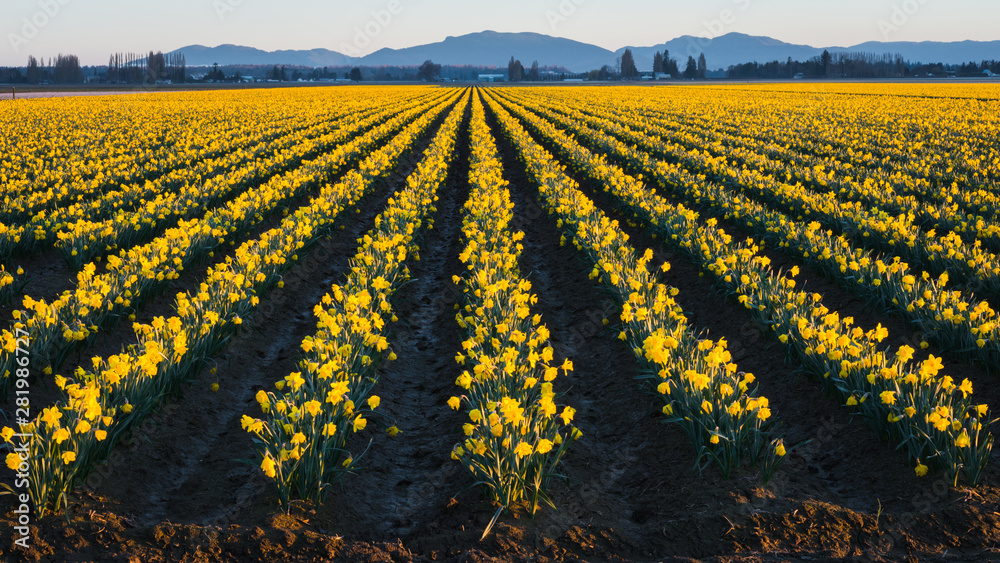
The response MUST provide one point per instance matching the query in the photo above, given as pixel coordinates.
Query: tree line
(64, 69)
(516, 72)
(826, 65)
(623, 69)
(133, 68)
(663, 63)
(122, 68)
(857, 65)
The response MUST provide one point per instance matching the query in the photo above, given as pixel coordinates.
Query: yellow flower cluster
(848, 359)
(302, 439)
(701, 388)
(63, 152)
(935, 198)
(883, 211)
(11, 285)
(953, 318)
(134, 383)
(516, 433)
(203, 142)
(100, 299)
(190, 191)
(911, 136)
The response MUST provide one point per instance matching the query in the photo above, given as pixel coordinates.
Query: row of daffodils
(954, 318)
(516, 433)
(699, 386)
(102, 297)
(65, 151)
(102, 405)
(918, 407)
(302, 439)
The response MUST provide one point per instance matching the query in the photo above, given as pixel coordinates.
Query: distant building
(661, 76)
(491, 77)
(573, 80)
(989, 72)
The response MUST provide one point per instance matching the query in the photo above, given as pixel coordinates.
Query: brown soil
(180, 491)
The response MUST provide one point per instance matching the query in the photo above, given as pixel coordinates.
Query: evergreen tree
(515, 70)
(691, 71)
(628, 70)
(670, 65)
(33, 72)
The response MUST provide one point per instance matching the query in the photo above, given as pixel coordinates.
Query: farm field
(708, 322)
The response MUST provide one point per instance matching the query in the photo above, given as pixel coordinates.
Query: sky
(93, 29)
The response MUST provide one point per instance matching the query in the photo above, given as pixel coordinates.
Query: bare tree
(429, 71)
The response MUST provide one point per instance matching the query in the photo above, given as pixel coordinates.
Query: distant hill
(495, 48)
(492, 48)
(736, 48)
(199, 55)
(723, 51)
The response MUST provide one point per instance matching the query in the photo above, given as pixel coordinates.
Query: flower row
(922, 410)
(102, 405)
(959, 322)
(302, 439)
(515, 434)
(100, 299)
(699, 386)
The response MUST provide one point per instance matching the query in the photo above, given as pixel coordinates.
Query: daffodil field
(931, 416)
(143, 242)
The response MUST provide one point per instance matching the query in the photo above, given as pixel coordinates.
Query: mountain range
(492, 48)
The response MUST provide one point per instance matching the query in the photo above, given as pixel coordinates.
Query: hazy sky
(93, 29)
